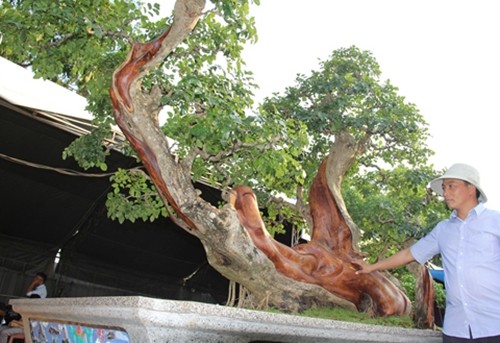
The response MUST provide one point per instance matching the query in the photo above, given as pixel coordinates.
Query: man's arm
(37, 281)
(399, 259)
(33, 285)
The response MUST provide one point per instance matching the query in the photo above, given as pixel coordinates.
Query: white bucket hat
(462, 172)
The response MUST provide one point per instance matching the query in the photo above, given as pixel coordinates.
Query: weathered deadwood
(229, 248)
(342, 155)
(135, 122)
(424, 296)
(318, 273)
(327, 259)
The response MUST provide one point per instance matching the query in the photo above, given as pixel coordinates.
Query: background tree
(374, 139)
(341, 113)
(352, 115)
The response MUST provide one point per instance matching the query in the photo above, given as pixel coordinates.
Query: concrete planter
(146, 320)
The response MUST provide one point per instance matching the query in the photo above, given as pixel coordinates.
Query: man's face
(38, 280)
(457, 193)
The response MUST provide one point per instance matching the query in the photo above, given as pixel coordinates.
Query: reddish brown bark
(424, 297)
(327, 259)
(133, 117)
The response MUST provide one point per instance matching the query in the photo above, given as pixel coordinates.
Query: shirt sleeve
(37, 292)
(426, 247)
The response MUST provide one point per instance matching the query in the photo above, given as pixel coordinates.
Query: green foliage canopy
(347, 95)
(385, 186)
(206, 93)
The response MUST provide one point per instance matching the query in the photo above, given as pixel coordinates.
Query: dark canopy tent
(53, 216)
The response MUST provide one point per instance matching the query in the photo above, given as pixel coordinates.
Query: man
(14, 327)
(7, 315)
(469, 244)
(37, 287)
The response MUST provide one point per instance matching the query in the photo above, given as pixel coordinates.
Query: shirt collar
(479, 208)
(476, 210)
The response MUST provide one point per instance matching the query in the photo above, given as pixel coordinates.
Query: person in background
(469, 244)
(13, 323)
(7, 314)
(37, 288)
(13, 328)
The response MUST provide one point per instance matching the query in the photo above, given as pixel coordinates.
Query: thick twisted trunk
(327, 259)
(229, 248)
(237, 244)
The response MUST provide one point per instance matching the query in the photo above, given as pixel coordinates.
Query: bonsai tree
(341, 122)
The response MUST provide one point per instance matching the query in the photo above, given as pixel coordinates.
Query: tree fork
(327, 259)
(318, 273)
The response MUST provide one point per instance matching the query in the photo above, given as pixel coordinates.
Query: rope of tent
(64, 171)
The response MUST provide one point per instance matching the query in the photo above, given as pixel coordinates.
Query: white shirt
(470, 250)
(41, 290)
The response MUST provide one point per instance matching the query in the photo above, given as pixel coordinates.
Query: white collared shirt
(41, 290)
(470, 251)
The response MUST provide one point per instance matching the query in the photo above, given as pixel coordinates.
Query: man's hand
(363, 267)
(399, 259)
(37, 281)
(15, 323)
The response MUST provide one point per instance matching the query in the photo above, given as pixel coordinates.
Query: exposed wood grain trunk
(318, 273)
